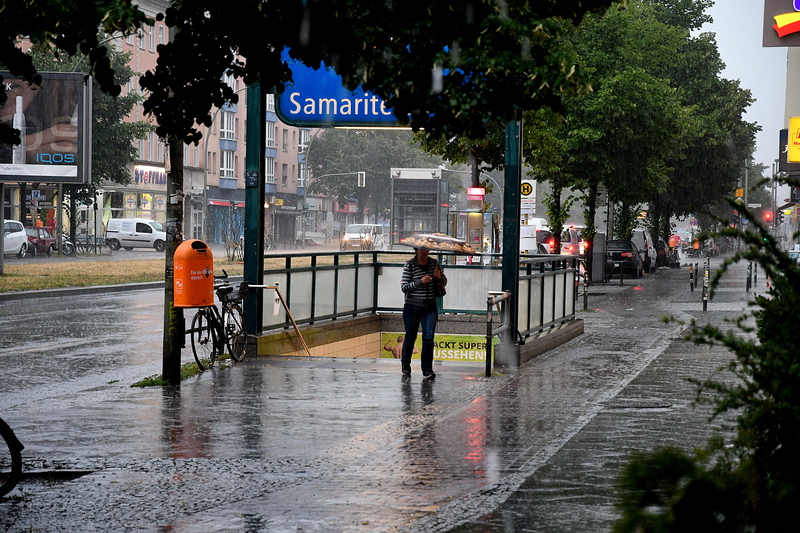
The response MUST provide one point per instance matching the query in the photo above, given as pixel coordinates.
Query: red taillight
(627, 254)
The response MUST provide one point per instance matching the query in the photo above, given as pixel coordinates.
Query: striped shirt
(417, 293)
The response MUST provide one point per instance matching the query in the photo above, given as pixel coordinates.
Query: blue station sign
(318, 98)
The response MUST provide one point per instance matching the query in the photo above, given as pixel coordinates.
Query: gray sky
(738, 26)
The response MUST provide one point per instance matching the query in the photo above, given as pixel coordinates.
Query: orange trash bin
(194, 274)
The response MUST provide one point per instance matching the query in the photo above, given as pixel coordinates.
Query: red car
(40, 240)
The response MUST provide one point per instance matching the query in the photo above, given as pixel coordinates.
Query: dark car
(626, 256)
(40, 241)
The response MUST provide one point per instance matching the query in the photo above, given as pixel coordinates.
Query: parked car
(533, 240)
(15, 240)
(130, 233)
(40, 241)
(626, 256)
(644, 242)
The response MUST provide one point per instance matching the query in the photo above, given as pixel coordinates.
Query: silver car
(15, 240)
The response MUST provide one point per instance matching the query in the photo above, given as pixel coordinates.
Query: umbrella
(439, 242)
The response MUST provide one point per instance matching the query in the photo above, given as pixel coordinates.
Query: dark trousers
(413, 317)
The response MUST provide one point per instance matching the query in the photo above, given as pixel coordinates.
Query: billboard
(781, 23)
(55, 128)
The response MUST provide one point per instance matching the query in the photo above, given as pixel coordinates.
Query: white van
(130, 233)
(363, 237)
(642, 239)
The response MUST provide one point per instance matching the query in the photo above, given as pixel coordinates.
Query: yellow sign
(740, 193)
(445, 347)
(794, 140)
(526, 189)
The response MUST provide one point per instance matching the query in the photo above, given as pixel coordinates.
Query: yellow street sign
(526, 189)
(740, 192)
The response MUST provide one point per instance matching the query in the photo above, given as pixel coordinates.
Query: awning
(224, 203)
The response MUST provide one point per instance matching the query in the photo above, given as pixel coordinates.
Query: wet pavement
(295, 444)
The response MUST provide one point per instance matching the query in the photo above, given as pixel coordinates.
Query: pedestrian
(421, 282)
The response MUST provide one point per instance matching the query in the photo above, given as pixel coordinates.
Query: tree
(374, 152)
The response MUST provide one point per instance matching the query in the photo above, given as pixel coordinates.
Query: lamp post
(205, 168)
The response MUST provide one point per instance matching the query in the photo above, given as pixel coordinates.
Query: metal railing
(332, 285)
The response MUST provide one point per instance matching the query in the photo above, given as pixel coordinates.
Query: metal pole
(511, 213)
(2, 223)
(749, 276)
(255, 155)
(705, 287)
(697, 273)
(489, 337)
(691, 277)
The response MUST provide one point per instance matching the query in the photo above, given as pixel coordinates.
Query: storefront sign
(149, 176)
(781, 23)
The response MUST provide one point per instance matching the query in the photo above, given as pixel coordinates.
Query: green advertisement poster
(463, 348)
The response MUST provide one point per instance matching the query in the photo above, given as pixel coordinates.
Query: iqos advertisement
(781, 23)
(53, 120)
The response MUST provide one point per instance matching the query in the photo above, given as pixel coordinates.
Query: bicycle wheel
(204, 339)
(236, 332)
(10, 459)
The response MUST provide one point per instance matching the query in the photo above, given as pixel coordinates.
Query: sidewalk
(290, 444)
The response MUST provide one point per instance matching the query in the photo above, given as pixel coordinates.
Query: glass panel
(570, 293)
(558, 312)
(300, 302)
(535, 309)
(366, 279)
(271, 317)
(345, 300)
(323, 301)
(523, 304)
(548, 299)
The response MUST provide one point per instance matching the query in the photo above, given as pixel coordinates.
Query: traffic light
(362, 179)
(779, 218)
(768, 216)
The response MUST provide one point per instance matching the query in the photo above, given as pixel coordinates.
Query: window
(160, 157)
(196, 156)
(133, 86)
(230, 81)
(270, 134)
(305, 139)
(187, 155)
(285, 140)
(226, 164)
(284, 174)
(130, 39)
(226, 125)
(140, 148)
(140, 36)
(269, 170)
(294, 139)
(301, 179)
(150, 152)
(161, 35)
(143, 228)
(152, 31)
(271, 102)
(235, 166)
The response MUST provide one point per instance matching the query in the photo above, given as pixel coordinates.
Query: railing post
(489, 337)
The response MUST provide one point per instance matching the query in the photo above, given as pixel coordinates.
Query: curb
(78, 291)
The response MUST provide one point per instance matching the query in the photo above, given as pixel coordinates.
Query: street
(291, 444)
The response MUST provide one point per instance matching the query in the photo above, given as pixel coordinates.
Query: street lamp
(205, 167)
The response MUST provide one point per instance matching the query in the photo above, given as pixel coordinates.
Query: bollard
(749, 270)
(691, 277)
(705, 287)
(585, 292)
(696, 269)
(755, 273)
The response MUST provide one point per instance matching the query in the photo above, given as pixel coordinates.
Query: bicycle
(10, 459)
(213, 332)
(268, 243)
